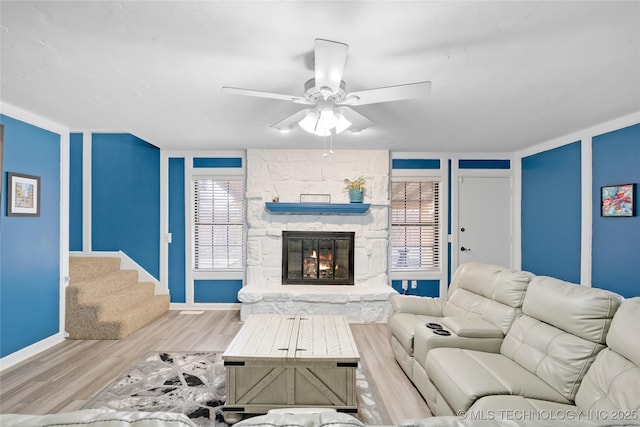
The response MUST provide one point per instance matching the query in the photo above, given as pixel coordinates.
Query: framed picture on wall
(23, 195)
(1, 152)
(618, 200)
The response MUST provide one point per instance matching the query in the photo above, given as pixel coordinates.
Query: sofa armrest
(471, 327)
(425, 340)
(417, 305)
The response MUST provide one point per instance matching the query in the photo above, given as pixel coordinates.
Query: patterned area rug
(195, 384)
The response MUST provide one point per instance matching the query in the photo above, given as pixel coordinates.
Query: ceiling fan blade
(291, 121)
(330, 58)
(260, 94)
(387, 94)
(358, 121)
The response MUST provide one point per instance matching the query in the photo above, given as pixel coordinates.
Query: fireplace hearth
(317, 258)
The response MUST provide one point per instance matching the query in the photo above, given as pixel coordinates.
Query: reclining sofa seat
(483, 301)
(544, 357)
(610, 390)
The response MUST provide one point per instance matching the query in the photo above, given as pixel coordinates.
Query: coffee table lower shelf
(256, 388)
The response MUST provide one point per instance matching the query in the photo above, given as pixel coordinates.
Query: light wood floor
(66, 376)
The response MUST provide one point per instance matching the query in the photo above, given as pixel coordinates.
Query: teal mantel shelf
(317, 208)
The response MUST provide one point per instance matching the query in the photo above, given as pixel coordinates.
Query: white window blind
(218, 223)
(415, 225)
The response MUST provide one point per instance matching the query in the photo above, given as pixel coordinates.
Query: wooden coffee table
(279, 361)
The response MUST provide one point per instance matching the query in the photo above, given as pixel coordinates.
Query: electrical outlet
(414, 284)
(405, 285)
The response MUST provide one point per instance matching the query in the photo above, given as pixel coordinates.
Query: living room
(115, 191)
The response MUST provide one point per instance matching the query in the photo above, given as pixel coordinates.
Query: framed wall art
(23, 195)
(618, 200)
(1, 152)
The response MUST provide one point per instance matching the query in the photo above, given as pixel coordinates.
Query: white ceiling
(505, 75)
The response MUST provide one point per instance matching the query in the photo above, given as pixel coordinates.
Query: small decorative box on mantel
(315, 198)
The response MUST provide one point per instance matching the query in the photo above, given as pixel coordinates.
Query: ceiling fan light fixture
(342, 123)
(327, 118)
(324, 121)
(310, 121)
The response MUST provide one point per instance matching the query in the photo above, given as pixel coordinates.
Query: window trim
(216, 174)
(422, 175)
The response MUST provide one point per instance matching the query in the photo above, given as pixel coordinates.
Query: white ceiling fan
(330, 109)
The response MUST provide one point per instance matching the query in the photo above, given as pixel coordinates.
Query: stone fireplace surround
(288, 173)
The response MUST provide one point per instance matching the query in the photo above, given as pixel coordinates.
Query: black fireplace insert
(317, 258)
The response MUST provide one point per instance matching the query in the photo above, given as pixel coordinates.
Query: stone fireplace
(317, 258)
(288, 174)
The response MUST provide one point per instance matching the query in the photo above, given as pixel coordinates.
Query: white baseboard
(29, 351)
(205, 306)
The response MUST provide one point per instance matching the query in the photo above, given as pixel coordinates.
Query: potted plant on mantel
(356, 189)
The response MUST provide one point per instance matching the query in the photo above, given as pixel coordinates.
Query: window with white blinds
(218, 223)
(415, 225)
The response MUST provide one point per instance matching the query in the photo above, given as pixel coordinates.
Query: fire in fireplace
(317, 257)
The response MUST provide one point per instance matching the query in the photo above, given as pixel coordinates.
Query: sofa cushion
(464, 376)
(491, 292)
(493, 282)
(557, 357)
(502, 405)
(319, 419)
(580, 310)
(98, 418)
(511, 420)
(623, 336)
(613, 381)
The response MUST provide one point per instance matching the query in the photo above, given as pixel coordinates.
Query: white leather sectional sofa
(569, 349)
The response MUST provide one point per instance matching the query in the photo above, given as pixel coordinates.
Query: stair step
(136, 319)
(113, 305)
(82, 268)
(88, 291)
(130, 321)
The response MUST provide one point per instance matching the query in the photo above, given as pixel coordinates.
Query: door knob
(463, 249)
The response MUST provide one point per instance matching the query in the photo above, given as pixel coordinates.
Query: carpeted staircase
(107, 303)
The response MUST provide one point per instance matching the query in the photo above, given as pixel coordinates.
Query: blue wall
(425, 288)
(551, 213)
(217, 291)
(30, 246)
(616, 241)
(75, 192)
(125, 198)
(177, 266)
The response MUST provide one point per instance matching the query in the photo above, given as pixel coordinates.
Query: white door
(484, 220)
